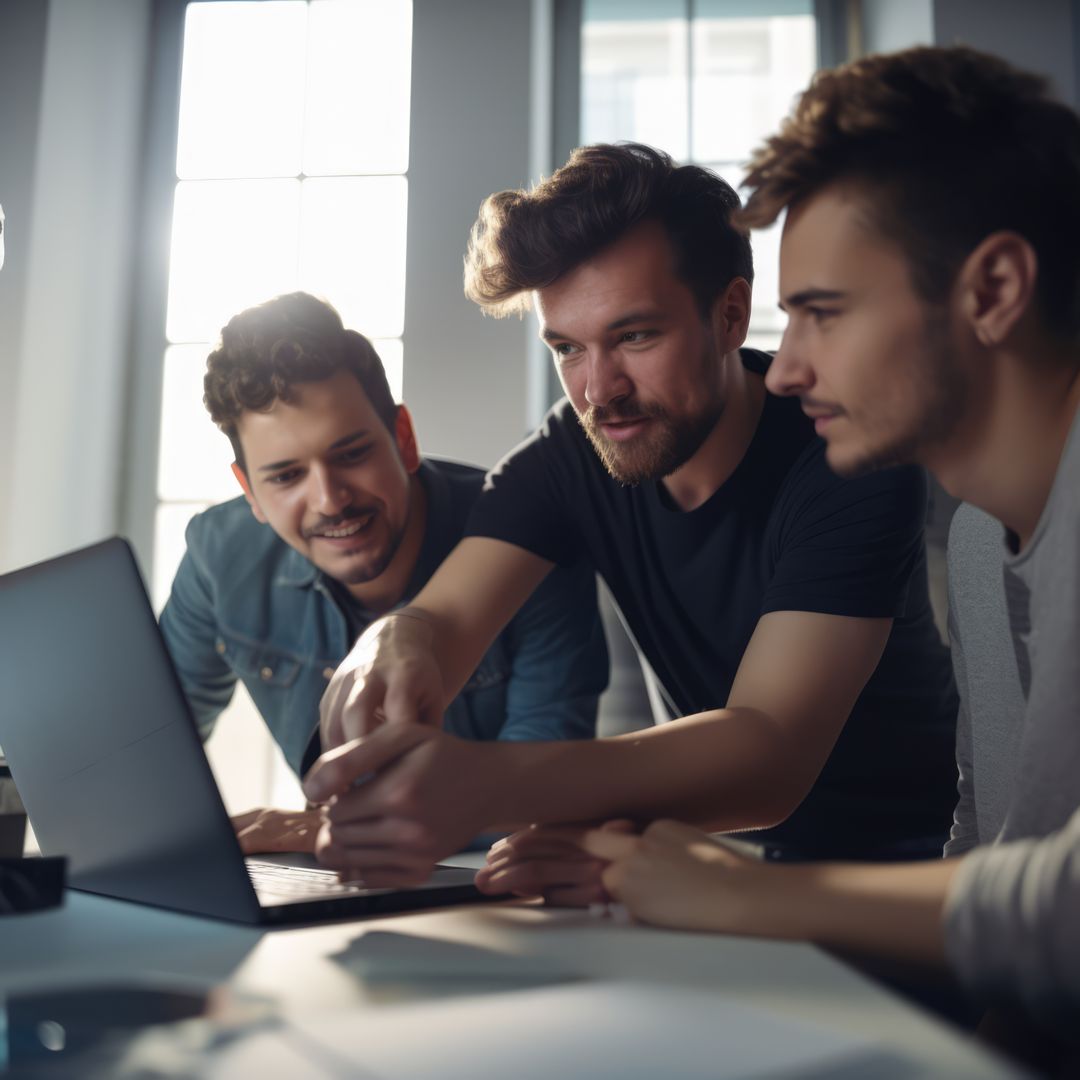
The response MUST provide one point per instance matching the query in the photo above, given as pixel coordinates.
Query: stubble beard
(364, 572)
(942, 388)
(667, 446)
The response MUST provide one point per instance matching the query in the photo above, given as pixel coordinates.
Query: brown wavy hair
(268, 349)
(948, 145)
(525, 240)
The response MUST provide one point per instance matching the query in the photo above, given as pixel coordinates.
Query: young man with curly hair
(343, 520)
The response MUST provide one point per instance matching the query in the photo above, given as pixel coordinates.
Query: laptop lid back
(101, 746)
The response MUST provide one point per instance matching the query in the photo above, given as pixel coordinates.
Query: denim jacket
(244, 605)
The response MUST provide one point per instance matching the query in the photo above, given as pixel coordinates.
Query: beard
(665, 446)
(941, 390)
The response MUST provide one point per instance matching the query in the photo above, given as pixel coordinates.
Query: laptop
(109, 764)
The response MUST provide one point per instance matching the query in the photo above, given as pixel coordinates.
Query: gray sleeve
(1013, 911)
(964, 834)
(1012, 922)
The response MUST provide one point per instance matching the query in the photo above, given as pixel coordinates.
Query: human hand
(262, 830)
(677, 876)
(426, 794)
(390, 674)
(548, 861)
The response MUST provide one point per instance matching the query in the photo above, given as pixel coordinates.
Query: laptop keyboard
(297, 881)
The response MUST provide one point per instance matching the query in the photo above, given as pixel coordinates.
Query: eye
(351, 455)
(635, 337)
(564, 350)
(283, 479)
(821, 315)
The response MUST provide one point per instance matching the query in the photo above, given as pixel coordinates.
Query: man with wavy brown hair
(343, 520)
(782, 612)
(930, 267)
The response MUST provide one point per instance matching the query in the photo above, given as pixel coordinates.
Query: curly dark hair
(525, 240)
(267, 349)
(949, 145)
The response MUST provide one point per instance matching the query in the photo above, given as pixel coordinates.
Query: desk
(92, 939)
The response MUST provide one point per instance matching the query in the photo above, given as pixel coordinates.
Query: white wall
(65, 411)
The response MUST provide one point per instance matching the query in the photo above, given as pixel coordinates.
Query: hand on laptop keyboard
(266, 830)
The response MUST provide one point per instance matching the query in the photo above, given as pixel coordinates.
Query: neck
(743, 395)
(382, 593)
(1007, 449)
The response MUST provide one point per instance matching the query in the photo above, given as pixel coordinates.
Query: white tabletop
(483, 949)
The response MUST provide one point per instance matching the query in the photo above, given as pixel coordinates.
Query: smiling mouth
(344, 531)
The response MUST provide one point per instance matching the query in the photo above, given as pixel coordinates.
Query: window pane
(195, 458)
(746, 73)
(634, 77)
(359, 65)
(242, 89)
(352, 249)
(172, 519)
(233, 245)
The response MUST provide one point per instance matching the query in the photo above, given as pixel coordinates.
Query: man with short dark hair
(344, 522)
(930, 266)
(782, 611)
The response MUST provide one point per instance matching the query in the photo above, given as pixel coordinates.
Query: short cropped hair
(525, 240)
(949, 145)
(265, 351)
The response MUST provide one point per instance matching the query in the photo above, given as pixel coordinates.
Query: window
(291, 165)
(705, 80)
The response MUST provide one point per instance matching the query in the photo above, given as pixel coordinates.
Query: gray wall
(465, 375)
(22, 54)
(1037, 34)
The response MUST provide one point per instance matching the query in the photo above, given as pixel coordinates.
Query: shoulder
(557, 455)
(976, 542)
(901, 490)
(226, 540)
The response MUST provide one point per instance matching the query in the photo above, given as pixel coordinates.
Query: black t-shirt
(783, 533)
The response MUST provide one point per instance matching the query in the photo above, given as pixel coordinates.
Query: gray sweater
(1013, 910)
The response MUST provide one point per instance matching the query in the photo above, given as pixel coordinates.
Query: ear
(730, 316)
(997, 286)
(405, 437)
(241, 477)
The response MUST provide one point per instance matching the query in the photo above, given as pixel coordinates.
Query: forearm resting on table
(894, 911)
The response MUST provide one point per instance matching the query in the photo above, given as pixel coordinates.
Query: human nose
(327, 494)
(790, 372)
(605, 380)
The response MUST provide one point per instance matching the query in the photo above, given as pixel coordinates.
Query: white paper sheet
(625, 1030)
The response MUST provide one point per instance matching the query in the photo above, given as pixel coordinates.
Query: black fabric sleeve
(527, 498)
(846, 546)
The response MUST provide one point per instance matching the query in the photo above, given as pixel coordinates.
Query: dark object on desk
(12, 816)
(31, 884)
(110, 766)
(79, 1032)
